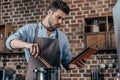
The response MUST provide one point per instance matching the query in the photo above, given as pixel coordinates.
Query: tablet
(84, 54)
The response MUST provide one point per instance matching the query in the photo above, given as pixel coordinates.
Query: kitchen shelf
(9, 53)
(5, 32)
(108, 50)
(6, 29)
(101, 37)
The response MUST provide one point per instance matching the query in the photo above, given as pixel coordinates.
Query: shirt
(27, 32)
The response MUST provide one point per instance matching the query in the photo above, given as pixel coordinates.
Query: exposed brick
(15, 16)
(72, 13)
(93, 3)
(87, 8)
(91, 0)
(22, 12)
(110, 5)
(86, 12)
(79, 1)
(33, 10)
(79, 16)
(111, 71)
(6, 17)
(65, 75)
(81, 70)
(75, 75)
(93, 11)
(106, 14)
(6, 3)
(99, 10)
(26, 15)
(20, 5)
(17, 1)
(26, 1)
(21, 8)
(38, 13)
(66, 30)
(93, 15)
(86, 75)
(40, 6)
(86, 4)
(75, 71)
(101, 6)
(21, 22)
(32, 21)
(94, 62)
(8, 10)
(66, 78)
(79, 13)
(72, 6)
(99, 2)
(107, 75)
(31, 7)
(74, 9)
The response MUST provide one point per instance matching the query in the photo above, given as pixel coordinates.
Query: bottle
(95, 26)
(117, 77)
(1, 35)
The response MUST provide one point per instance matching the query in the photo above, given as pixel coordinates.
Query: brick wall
(14, 61)
(21, 12)
(0, 11)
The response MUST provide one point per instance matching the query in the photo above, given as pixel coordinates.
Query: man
(45, 40)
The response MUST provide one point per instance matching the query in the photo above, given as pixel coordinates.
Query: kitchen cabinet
(99, 32)
(5, 31)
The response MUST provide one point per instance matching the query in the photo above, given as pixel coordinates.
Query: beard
(52, 27)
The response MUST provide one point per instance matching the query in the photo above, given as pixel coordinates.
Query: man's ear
(49, 12)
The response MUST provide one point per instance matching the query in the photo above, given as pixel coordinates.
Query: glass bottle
(95, 26)
(117, 77)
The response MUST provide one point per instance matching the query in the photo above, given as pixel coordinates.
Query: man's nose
(60, 21)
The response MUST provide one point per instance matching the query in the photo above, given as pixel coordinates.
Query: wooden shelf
(5, 31)
(104, 38)
(6, 53)
(110, 50)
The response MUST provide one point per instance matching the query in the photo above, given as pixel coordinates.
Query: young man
(45, 40)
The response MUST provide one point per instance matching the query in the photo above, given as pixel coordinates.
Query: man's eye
(59, 17)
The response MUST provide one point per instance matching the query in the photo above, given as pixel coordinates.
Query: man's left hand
(78, 64)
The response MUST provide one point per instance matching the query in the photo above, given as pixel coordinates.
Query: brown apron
(49, 51)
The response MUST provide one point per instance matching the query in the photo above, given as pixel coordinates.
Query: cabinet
(5, 31)
(99, 32)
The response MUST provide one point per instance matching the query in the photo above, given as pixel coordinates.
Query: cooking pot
(47, 73)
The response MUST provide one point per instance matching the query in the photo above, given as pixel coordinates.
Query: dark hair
(58, 4)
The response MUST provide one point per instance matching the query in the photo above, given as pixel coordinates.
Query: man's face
(55, 19)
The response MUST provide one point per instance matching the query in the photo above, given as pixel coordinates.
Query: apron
(49, 51)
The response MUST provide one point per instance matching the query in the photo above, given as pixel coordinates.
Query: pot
(47, 73)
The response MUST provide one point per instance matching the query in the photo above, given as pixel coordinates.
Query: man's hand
(34, 49)
(78, 64)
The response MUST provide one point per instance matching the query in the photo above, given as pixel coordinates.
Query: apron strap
(36, 33)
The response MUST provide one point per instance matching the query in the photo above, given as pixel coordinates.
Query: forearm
(17, 43)
(34, 48)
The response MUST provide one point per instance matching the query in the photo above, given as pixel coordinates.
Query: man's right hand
(34, 49)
